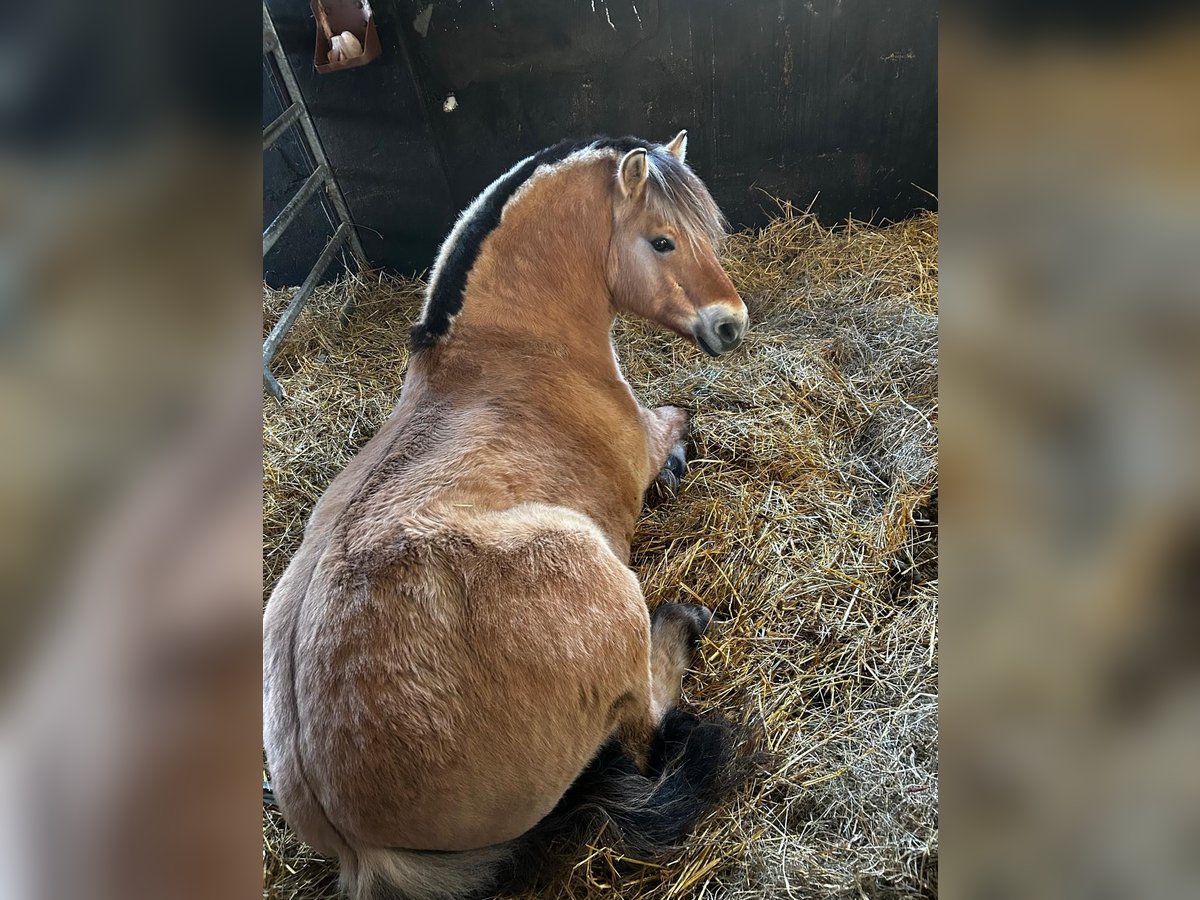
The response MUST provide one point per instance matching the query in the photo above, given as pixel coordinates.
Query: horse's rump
(453, 679)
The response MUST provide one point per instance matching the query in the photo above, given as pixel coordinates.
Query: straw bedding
(808, 522)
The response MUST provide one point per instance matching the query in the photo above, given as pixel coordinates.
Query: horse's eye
(663, 244)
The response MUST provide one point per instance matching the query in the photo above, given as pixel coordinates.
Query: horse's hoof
(693, 618)
(673, 469)
(669, 481)
(701, 616)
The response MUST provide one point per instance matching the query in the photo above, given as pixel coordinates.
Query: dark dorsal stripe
(446, 298)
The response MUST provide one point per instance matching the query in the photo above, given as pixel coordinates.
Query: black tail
(692, 766)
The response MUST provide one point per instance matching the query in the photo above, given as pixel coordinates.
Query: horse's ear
(632, 173)
(678, 146)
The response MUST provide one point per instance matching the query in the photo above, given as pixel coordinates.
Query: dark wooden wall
(832, 102)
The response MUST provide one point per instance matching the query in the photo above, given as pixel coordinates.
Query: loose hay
(808, 522)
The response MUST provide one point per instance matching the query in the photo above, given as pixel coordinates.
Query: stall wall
(831, 103)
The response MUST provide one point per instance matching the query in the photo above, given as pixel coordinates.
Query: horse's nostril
(728, 332)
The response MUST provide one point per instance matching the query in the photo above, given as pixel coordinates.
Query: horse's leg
(675, 630)
(666, 434)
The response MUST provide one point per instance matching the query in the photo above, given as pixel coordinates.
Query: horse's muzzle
(719, 329)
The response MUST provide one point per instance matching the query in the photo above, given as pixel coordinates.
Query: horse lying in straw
(459, 635)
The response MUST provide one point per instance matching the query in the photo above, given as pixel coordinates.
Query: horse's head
(663, 263)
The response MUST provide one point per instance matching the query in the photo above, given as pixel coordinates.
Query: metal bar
(301, 296)
(271, 344)
(272, 132)
(271, 384)
(345, 234)
(272, 44)
(293, 207)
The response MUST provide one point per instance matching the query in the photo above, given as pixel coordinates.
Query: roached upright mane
(675, 191)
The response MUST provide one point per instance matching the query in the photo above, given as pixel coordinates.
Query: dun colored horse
(459, 635)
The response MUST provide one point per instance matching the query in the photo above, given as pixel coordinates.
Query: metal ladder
(322, 177)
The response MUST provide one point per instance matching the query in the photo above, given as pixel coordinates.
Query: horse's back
(455, 672)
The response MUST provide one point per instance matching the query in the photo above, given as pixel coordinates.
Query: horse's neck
(542, 271)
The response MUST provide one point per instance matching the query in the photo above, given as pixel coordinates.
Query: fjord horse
(459, 633)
